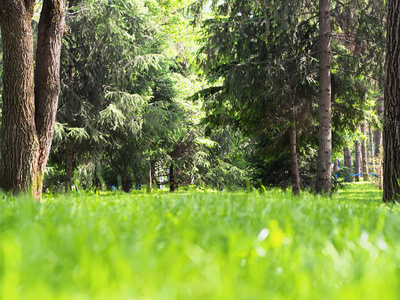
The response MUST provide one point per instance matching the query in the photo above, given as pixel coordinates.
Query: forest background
(218, 95)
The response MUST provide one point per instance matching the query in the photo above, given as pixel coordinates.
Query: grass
(201, 246)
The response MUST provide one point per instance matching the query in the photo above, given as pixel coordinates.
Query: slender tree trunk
(345, 158)
(171, 178)
(96, 178)
(148, 177)
(324, 170)
(47, 80)
(69, 171)
(371, 148)
(335, 166)
(364, 153)
(377, 132)
(294, 168)
(348, 162)
(391, 123)
(357, 168)
(29, 104)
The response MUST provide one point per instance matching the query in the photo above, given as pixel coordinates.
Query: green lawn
(201, 246)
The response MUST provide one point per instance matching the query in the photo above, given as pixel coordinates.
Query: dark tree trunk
(171, 178)
(357, 168)
(294, 168)
(96, 178)
(364, 153)
(69, 171)
(148, 177)
(20, 145)
(47, 79)
(324, 170)
(127, 184)
(391, 123)
(29, 105)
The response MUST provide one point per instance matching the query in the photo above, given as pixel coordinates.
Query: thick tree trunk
(171, 178)
(364, 153)
(29, 106)
(19, 147)
(377, 132)
(391, 123)
(324, 170)
(357, 167)
(294, 168)
(69, 170)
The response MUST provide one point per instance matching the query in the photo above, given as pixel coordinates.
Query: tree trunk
(20, 145)
(324, 170)
(294, 168)
(148, 177)
(69, 171)
(377, 132)
(345, 161)
(371, 148)
(391, 123)
(47, 80)
(127, 184)
(29, 104)
(357, 169)
(171, 178)
(349, 163)
(364, 153)
(335, 166)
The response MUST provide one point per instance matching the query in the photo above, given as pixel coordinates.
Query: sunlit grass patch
(359, 191)
(201, 246)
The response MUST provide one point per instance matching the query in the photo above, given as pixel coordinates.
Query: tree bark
(294, 167)
(324, 170)
(357, 168)
(20, 144)
(29, 104)
(391, 123)
(47, 80)
(364, 153)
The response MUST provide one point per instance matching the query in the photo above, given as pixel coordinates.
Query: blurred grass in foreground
(201, 246)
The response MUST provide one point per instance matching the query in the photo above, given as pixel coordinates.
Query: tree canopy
(210, 93)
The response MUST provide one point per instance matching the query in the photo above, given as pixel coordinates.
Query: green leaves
(111, 115)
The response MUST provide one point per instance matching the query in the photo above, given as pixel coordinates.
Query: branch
(358, 73)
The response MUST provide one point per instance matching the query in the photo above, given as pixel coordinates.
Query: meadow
(193, 245)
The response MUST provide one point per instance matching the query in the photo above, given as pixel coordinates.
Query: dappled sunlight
(360, 191)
